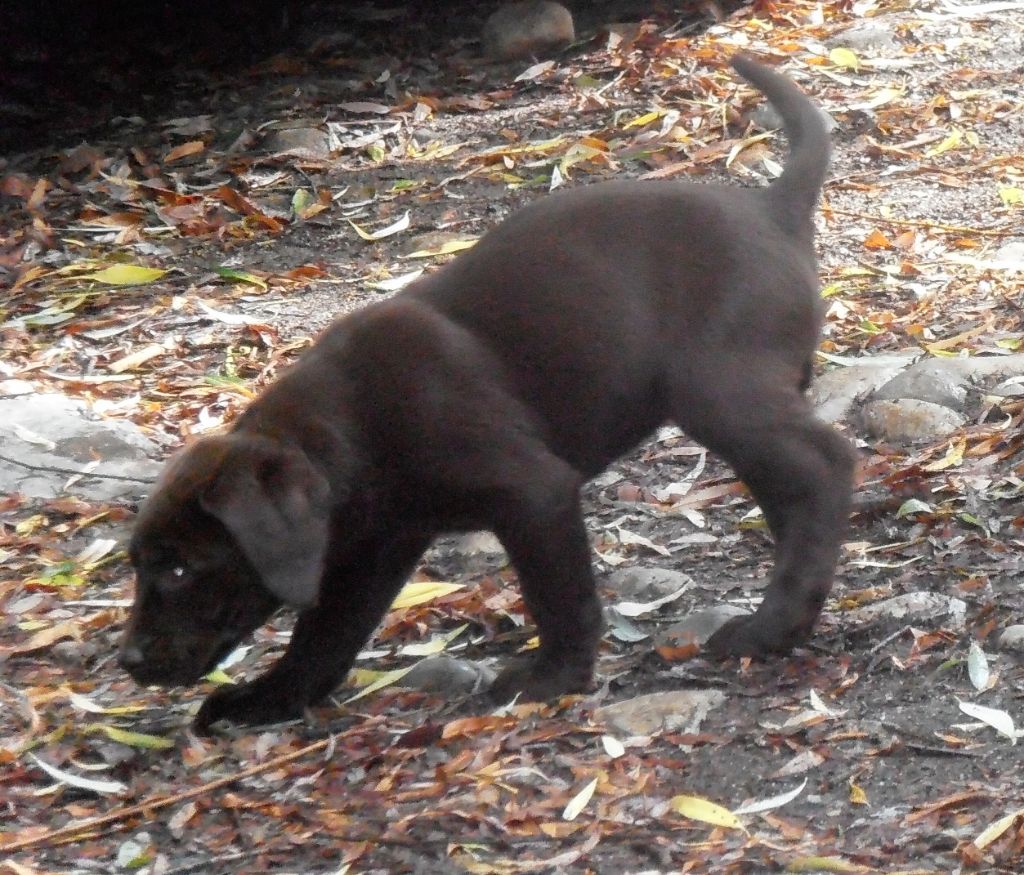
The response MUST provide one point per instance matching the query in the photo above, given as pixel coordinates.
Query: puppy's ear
(276, 505)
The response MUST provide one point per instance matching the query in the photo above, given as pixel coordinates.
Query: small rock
(837, 390)
(946, 381)
(1012, 638)
(646, 584)
(869, 38)
(44, 436)
(74, 652)
(530, 28)
(927, 605)
(446, 674)
(697, 628)
(937, 381)
(307, 142)
(477, 544)
(909, 421)
(1010, 256)
(675, 711)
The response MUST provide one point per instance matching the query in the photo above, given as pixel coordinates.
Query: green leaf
(913, 505)
(301, 200)
(240, 276)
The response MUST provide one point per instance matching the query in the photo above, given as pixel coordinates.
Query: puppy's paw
(248, 704)
(540, 680)
(749, 635)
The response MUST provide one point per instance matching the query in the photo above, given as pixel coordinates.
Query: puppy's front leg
(326, 639)
(543, 531)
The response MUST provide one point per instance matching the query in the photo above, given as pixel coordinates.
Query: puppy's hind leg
(800, 471)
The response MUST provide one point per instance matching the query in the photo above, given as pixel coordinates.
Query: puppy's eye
(174, 577)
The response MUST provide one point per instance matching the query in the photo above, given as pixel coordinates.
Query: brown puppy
(482, 398)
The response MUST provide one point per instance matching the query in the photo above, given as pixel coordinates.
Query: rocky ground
(165, 261)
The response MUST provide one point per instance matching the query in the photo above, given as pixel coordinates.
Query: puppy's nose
(131, 657)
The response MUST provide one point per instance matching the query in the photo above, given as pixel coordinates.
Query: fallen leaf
(126, 275)
(192, 147)
(391, 229)
(845, 58)
(140, 740)
(579, 801)
(696, 808)
(1000, 721)
(92, 784)
(418, 592)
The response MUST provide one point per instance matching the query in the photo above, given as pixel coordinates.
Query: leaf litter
(164, 274)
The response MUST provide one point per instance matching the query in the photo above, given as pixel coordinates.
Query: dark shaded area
(68, 68)
(68, 65)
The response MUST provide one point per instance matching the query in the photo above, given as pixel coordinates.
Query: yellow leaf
(953, 141)
(132, 739)
(434, 645)
(824, 864)
(696, 808)
(219, 676)
(126, 275)
(425, 591)
(1011, 196)
(845, 58)
(991, 833)
(579, 801)
(386, 679)
(857, 794)
(645, 119)
(445, 249)
(954, 456)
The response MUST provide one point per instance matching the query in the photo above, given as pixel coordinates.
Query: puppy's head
(236, 526)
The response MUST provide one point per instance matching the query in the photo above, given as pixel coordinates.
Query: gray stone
(837, 390)
(302, 142)
(909, 421)
(1012, 638)
(446, 674)
(646, 584)
(478, 544)
(1010, 256)
(674, 711)
(530, 28)
(867, 38)
(912, 605)
(946, 381)
(53, 445)
(698, 627)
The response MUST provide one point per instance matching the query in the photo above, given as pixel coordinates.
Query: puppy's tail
(795, 192)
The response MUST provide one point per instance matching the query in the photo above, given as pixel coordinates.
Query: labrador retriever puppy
(482, 398)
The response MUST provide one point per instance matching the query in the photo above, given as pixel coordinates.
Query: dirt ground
(927, 143)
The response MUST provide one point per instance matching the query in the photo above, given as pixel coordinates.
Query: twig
(152, 805)
(924, 223)
(72, 473)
